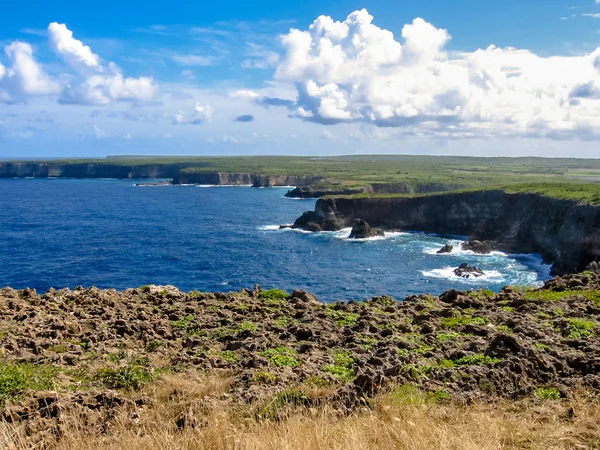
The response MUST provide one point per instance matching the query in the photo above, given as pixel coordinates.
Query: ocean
(113, 234)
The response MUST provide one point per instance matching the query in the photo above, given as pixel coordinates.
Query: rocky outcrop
(362, 230)
(564, 232)
(483, 248)
(318, 191)
(446, 249)
(321, 190)
(97, 348)
(466, 271)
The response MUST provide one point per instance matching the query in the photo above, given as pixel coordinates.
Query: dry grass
(195, 413)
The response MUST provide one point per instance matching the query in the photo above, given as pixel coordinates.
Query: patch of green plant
(131, 377)
(385, 301)
(342, 367)
(548, 393)
(284, 322)
(343, 318)
(229, 356)
(403, 352)
(367, 342)
(163, 292)
(508, 309)
(476, 360)
(244, 326)
(549, 295)
(504, 328)
(446, 363)
(17, 378)
(580, 328)
(423, 349)
(281, 357)
(540, 346)
(558, 312)
(153, 346)
(273, 294)
(184, 322)
(315, 381)
(264, 377)
(444, 337)
(116, 357)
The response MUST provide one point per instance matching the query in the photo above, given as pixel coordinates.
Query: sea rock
(446, 249)
(466, 271)
(362, 230)
(478, 246)
(594, 266)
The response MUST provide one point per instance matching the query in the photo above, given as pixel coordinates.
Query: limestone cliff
(564, 232)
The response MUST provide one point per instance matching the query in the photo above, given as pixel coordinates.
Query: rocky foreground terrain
(94, 350)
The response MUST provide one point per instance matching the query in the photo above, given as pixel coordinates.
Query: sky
(439, 77)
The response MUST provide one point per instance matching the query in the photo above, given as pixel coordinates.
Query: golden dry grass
(394, 423)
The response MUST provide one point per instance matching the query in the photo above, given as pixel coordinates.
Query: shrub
(183, 323)
(461, 321)
(17, 378)
(343, 318)
(130, 377)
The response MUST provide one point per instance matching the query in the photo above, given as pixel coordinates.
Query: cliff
(406, 187)
(240, 179)
(564, 232)
(175, 171)
(87, 170)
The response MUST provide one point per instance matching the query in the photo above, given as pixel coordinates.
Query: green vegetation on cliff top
(561, 178)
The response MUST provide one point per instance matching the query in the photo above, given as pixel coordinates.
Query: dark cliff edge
(87, 170)
(321, 190)
(175, 172)
(565, 233)
(241, 179)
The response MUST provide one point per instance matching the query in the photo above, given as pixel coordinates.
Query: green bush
(273, 294)
(130, 377)
(17, 378)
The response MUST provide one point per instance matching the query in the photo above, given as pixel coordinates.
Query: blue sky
(231, 77)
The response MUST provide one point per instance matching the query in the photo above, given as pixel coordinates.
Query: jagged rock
(466, 271)
(362, 230)
(446, 249)
(594, 266)
(478, 246)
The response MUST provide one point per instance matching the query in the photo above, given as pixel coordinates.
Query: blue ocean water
(111, 233)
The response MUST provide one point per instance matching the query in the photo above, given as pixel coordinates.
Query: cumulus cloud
(200, 114)
(24, 77)
(94, 83)
(354, 71)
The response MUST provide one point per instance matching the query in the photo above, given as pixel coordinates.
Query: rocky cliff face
(173, 171)
(565, 233)
(86, 170)
(240, 179)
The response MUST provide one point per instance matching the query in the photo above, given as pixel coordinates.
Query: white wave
(457, 250)
(447, 273)
(269, 228)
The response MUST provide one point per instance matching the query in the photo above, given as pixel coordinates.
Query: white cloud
(593, 15)
(24, 77)
(200, 114)
(327, 135)
(193, 60)
(94, 83)
(354, 71)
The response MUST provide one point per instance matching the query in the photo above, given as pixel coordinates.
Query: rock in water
(466, 271)
(478, 247)
(362, 230)
(446, 249)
